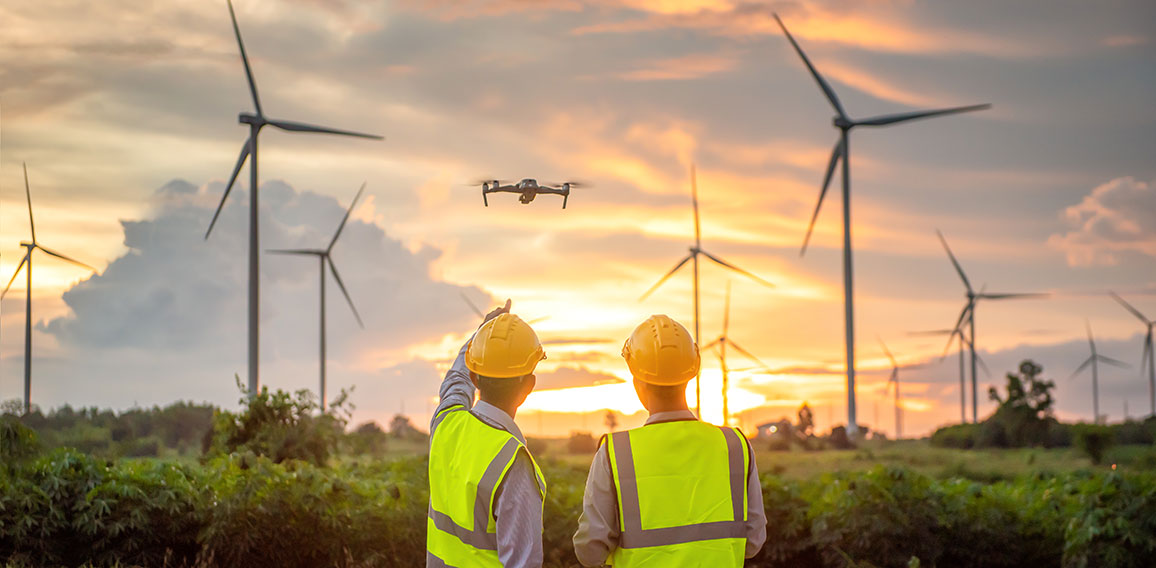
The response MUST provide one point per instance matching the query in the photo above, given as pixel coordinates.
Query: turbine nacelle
(250, 118)
(842, 123)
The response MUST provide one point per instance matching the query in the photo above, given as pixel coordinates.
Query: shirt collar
(669, 416)
(498, 417)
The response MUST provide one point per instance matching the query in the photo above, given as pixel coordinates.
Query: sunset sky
(126, 114)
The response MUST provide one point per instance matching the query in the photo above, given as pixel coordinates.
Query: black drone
(527, 189)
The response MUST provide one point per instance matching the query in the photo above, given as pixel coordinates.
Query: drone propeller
(572, 184)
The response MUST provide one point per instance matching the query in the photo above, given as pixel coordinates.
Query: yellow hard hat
(504, 347)
(661, 352)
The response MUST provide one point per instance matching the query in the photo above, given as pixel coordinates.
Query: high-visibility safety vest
(682, 495)
(468, 460)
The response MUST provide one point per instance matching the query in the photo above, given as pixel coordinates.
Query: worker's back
(468, 461)
(682, 495)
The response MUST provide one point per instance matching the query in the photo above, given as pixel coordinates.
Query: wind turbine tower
(324, 259)
(256, 122)
(696, 250)
(1092, 362)
(722, 342)
(842, 152)
(1147, 358)
(31, 247)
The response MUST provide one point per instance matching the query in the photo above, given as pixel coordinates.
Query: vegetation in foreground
(283, 484)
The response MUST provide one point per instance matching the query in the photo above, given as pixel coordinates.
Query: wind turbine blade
(835, 155)
(1126, 305)
(64, 258)
(28, 194)
(712, 344)
(345, 219)
(1013, 296)
(827, 90)
(887, 351)
(665, 278)
(15, 274)
(245, 60)
(958, 326)
(745, 353)
(340, 284)
(694, 201)
(736, 269)
(232, 179)
(309, 252)
(302, 127)
(1113, 362)
(1091, 342)
(538, 319)
(894, 376)
(1083, 366)
(473, 306)
(983, 365)
(1147, 350)
(954, 262)
(907, 116)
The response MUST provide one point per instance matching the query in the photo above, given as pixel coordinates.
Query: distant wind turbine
(1147, 358)
(842, 152)
(27, 260)
(722, 342)
(256, 122)
(324, 258)
(893, 381)
(967, 317)
(693, 256)
(1091, 361)
(962, 375)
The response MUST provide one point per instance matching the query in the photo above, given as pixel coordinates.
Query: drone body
(527, 190)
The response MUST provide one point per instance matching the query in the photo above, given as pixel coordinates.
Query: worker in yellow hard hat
(676, 492)
(486, 490)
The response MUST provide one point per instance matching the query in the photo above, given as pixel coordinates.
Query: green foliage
(1094, 440)
(280, 426)
(368, 439)
(1114, 524)
(958, 436)
(17, 441)
(67, 508)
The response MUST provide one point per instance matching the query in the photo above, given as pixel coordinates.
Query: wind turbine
(1092, 360)
(722, 342)
(324, 258)
(1147, 357)
(894, 380)
(842, 152)
(693, 256)
(967, 317)
(962, 375)
(256, 122)
(27, 260)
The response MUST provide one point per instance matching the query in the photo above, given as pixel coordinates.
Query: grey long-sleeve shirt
(598, 532)
(518, 504)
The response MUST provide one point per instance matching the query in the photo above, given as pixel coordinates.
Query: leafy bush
(1115, 523)
(958, 436)
(280, 426)
(17, 441)
(1094, 440)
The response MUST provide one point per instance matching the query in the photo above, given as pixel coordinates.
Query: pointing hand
(498, 311)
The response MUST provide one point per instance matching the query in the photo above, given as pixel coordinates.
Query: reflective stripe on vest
(468, 460)
(684, 456)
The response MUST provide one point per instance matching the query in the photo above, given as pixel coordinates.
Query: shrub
(1094, 440)
(17, 441)
(958, 436)
(280, 427)
(1115, 524)
(581, 443)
